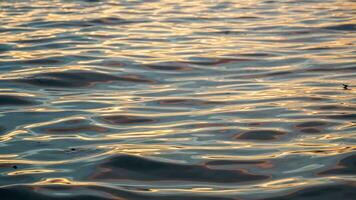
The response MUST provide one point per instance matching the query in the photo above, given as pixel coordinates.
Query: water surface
(173, 100)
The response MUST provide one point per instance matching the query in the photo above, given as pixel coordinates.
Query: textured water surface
(163, 99)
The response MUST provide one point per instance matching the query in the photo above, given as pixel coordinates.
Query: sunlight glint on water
(177, 99)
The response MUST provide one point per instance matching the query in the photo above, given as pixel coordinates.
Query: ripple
(177, 99)
(260, 135)
(79, 79)
(311, 124)
(47, 61)
(138, 168)
(108, 21)
(217, 61)
(342, 116)
(80, 23)
(313, 127)
(342, 27)
(321, 192)
(345, 166)
(236, 162)
(126, 119)
(88, 192)
(75, 129)
(186, 102)
(13, 100)
(169, 67)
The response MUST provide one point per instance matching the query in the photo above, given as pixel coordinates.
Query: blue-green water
(177, 100)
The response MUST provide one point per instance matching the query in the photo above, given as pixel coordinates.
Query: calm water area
(178, 100)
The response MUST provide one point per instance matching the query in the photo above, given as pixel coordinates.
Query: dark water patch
(31, 193)
(81, 23)
(142, 193)
(136, 79)
(126, 119)
(189, 20)
(247, 17)
(332, 69)
(218, 61)
(256, 124)
(258, 55)
(37, 40)
(283, 99)
(265, 28)
(12, 166)
(50, 82)
(186, 102)
(74, 121)
(5, 48)
(47, 61)
(311, 124)
(310, 130)
(108, 21)
(260, 135)
(77, 129)
(173, 66)
(313, 127)
(112, 21)
(346, 166)
(78, 79)
(280, 73)
(264, 74)
(297, 32)
(78, 105)
(239, 163)
(321, 48)
(68, 39)
(2, 130)
(14, 30)
(44, 61)
(235, 162)
(343, 116)
(332, 107)
(73, 126)
(342, 27)
(226, 32)
(138, 168)
(339, 191)
(208, 125)
(109, 63)
(13, 100)
(60, 191)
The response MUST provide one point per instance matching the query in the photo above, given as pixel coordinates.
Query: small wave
(126, 119)
(260, 135)
(342, 27)
(79, 79)
(13, 100)
(138, 168)
(340, 191)
(346, 166)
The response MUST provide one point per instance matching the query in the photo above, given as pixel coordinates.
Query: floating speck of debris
(346, 87)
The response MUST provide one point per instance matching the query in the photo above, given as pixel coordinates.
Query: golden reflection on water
(11, 135)
(185, 80)
(212, 47)
(32, 171)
